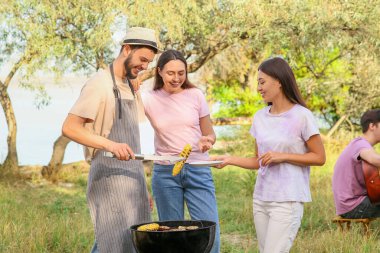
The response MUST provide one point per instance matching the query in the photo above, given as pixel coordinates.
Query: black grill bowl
(190, 241)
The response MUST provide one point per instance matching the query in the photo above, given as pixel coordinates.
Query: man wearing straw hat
(105, 118)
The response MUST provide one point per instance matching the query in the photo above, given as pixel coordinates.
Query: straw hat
(140, 36)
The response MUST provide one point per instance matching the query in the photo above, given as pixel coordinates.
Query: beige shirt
(97, 102)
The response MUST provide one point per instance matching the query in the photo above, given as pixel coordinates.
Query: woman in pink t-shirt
(287, 143)
(179, 115)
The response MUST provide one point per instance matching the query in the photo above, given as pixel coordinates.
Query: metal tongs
(168, 158)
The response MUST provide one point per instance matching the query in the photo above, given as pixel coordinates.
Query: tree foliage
(333, 47)
(199, 29)
(231, 99)
(85, 29)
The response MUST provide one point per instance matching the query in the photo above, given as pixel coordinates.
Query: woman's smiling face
(174, 75)
(268, 87)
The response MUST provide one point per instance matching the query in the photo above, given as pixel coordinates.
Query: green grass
(41, 217)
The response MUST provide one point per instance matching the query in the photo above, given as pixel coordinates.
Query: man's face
(376, 131)
(137, 60)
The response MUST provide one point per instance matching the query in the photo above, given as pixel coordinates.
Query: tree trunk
(10, 165)
(51, 170)
(336, 126)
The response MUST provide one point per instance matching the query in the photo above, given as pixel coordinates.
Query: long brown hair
(280, 70)
(165, 57)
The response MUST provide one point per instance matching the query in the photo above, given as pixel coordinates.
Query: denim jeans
(95, 248)
(194, 187)
(364, 210)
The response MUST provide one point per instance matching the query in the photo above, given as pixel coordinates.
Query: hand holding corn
(179, 165)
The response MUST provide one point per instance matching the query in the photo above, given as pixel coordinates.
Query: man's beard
(128, 67)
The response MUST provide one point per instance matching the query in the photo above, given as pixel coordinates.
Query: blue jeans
(95, 248)
(364, 210)
(193, 186)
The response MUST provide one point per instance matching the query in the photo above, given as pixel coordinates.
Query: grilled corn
(179, 165)
(149, 227)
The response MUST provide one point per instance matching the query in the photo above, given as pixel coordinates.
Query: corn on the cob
(179, 165)
(149, 227)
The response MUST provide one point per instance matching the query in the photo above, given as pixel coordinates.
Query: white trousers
(276, 224)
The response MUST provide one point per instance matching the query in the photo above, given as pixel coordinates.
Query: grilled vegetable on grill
(179, 165)
(149, 227)
(157, 227)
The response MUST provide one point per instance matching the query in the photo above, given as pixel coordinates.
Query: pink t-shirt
(348, 180)
(175, 120)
